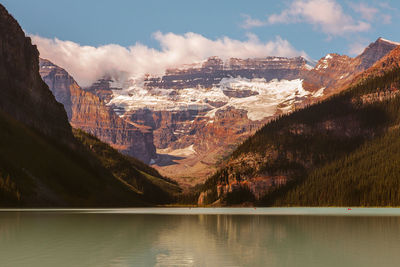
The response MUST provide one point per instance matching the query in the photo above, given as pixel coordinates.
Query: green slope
(43, 173)
(143, 178)
(370, 176)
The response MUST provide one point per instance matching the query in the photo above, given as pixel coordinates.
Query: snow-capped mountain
(198, 112)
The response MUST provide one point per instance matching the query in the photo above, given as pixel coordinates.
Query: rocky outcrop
(102, 89)
(23, 94)
(336, 72)
(88, 112)
(374, 52)
(389, 62)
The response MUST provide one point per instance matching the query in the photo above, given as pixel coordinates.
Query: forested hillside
(370, 176)
(309, 156)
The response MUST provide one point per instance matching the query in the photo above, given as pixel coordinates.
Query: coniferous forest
(341, 152)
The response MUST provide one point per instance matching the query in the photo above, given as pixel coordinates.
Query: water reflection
(82, 239)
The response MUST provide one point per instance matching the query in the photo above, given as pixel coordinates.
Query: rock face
(335, 72)
(374, 52)
(214, 69)
(388, 62)
(88, 112)
(23, 94)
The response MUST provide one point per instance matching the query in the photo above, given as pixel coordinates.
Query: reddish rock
(88, 112)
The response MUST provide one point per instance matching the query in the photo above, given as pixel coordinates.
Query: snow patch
(390, 42)
(319, 93)
(308, 67)
(270, 94)
(183, 152)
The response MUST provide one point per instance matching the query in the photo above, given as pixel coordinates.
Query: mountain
(193, 127)
(88, 112)
(384, 65)
(200, 112)
(42, 162)
(374, 52)
(340, 152)
(334, 72)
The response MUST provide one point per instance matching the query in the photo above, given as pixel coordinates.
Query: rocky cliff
(389, 62)
(335, 72)
(374, 52)
(88, 112)
(23, 94)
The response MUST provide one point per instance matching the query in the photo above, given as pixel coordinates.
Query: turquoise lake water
(201, 237)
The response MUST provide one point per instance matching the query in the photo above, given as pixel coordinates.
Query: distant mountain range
(198, 113)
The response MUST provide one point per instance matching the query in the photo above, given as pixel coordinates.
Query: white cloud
(327, 15)
(87, 63)
(367, 12)
(249, 22)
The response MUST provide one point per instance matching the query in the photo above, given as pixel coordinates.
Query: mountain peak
(380, 39)
(375, 51)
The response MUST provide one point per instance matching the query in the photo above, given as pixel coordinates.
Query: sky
(137, 37)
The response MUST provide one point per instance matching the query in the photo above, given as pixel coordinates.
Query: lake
(201, 237)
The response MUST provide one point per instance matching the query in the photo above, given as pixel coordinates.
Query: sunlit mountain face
(199, 112)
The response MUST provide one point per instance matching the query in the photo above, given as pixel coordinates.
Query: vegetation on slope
(301, 144)
(38, 171)
(143, 178)
(370, 176)
(340, 106)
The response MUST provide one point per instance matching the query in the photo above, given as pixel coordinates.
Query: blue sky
(127, 22)
(311, 27)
